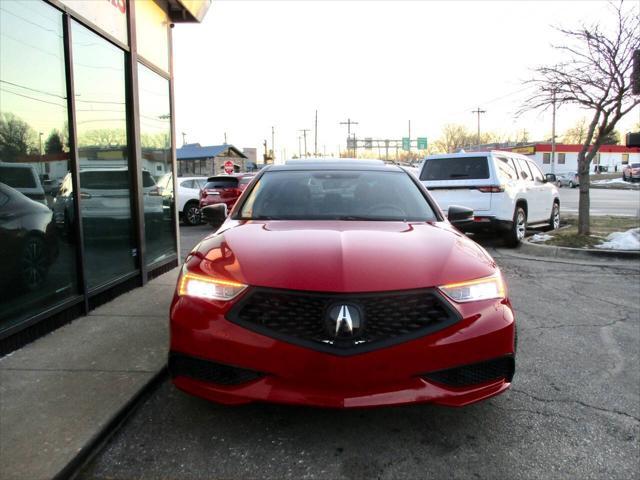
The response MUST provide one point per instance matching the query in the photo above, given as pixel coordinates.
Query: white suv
(188, 197)
(506, 191)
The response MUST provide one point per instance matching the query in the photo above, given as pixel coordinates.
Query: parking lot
(573, 410)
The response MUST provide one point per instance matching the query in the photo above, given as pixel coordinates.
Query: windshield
(336, 195)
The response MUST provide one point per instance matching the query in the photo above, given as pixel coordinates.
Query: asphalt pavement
(604, 201)
(573, 410)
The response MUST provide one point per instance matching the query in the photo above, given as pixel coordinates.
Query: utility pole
(184, 138)
(299, 147)
(409, 135)
(348, 123)
(273, 145)
(304, 133)
(225, 138)
(553, 135)
(478, 111)
(315, 143)
(266, 155)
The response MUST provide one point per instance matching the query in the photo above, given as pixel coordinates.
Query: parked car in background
(568, 179)
(631, 172)
(28, 239)
(188, 199)
(23, 177)
(507, 192)
(224, 189)
(105, 199)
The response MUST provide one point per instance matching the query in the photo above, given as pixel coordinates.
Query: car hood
(341, 256)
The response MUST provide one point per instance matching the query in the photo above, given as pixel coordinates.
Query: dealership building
(609, 157)
(87, 155)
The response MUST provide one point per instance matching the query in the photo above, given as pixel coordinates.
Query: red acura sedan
(341, 284)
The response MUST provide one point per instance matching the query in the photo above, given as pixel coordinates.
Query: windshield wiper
(458, 175)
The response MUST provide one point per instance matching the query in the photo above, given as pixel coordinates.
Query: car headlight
(201, 286)
(473, 290)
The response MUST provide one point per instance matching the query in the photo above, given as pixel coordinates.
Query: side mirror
(459, 216)
(550, 177)
(214, 215)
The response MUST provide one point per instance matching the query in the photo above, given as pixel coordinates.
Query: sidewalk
(59, 392)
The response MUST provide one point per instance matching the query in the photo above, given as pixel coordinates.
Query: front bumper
(280, 372)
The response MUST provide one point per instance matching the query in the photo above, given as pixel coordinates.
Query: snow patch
(629, 240)
(610, 181)
(540, 237)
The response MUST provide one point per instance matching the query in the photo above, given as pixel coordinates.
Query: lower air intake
(476, 373)
(207, 371)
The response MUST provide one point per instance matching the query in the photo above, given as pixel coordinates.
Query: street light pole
(553, 135)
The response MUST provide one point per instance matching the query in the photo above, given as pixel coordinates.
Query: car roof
(335, 164)
(485, 153)
(16, 165)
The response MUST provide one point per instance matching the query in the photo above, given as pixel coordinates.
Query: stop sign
(228, 167)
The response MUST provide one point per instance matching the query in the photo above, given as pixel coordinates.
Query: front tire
(191, 214)
(518, 228)
(554, 221)
(572, 185)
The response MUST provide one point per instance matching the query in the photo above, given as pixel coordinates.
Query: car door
(528, 190)
(543, 190)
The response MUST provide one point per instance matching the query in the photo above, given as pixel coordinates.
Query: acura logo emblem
(344, 317)
(344, 321)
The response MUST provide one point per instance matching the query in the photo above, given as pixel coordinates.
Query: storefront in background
(87, 154)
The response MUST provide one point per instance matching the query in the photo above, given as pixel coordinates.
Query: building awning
(188, 10)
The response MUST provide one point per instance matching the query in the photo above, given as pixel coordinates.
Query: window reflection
(155, 137)
(99, 81)
(37, 257)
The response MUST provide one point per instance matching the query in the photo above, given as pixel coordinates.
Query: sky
(252, 65)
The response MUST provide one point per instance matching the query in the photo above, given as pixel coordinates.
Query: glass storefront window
(105, 180)
(37, 252)
(155, 138)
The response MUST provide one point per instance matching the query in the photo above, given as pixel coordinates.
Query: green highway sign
(406, 144)
(422, 143)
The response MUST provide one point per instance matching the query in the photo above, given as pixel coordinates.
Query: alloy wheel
(521, 224)
(556, 216)
(193, 215)
(33, 263)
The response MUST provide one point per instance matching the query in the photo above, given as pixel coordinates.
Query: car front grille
(199, 369)
(476, 373)
(304, 318)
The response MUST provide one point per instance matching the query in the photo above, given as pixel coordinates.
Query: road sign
(422, 143)
(351, 143)
(368, 143)
(406, 144)
(228, 167)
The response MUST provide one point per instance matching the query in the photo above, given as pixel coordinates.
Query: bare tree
(595, 76)
(577, 133)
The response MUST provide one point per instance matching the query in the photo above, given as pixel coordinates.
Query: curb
(569, 252)
(100, 438)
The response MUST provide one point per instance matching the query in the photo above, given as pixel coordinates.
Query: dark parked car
(224, 189)
(28, 239)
